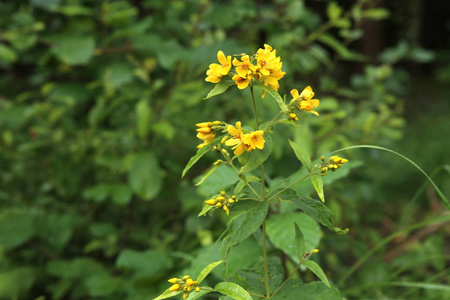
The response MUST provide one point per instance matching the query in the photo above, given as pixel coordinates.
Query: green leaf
(199, 154)
(318, 185)
(245, 218)
(302, 155)
(145, 175)
(207, 269)
(317, 290)
(74, 50)
(206, 208)
(376, 13)
(299, 242)
(209, 172)
(220, 87)
(275, 95)
(143, 114)
(316, 269)
(441, 195)
(167, 293)
(281, 232)
(342, 50)
(334, 11)
(252, 160)
(196, 295)
(121, 194)
(318, 211)
(233, 290)
(145, 264)
(7, 54)
(16, 227)
(255, 276)
(16, 282)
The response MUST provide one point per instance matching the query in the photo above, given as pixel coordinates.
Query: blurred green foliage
(97, 110)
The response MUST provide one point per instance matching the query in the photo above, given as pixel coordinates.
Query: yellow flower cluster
(241, 142)
(223, 201)
(264, 65)
(185, 284)
(206, 132)
(334, 163)
(304, 101)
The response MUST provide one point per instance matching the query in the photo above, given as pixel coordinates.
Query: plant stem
(263, 198)
(245, 179)
(266, 266)
(289, 186)
(289, 277)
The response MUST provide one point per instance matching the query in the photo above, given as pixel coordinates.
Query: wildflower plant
(248, 202)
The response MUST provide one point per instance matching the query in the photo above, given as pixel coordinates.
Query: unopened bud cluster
(334, 163)
(207, 132)
(223, 201)
(185, 284)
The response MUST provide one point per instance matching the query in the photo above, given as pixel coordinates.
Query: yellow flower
(306, 102)
(254, 140)
(244, 68)
(236, 141)
(217, 71)
(241, 82)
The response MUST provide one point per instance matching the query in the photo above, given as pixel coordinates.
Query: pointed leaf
(199, 154)
(167, 293)
(196, 295)
(318, 211)
(245, 218)
(209, 172)
(207, 269)
(302, 155)
(220, 87)
(232, 290)
(272, 93)
(316, 269)
(299, 242)
(206, 208)
(281, 232)
(318, 185)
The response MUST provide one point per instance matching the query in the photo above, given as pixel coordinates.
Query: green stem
(289, 277)
(266, 266)
(289, 186)
(272, 121)
(263, 198)
(245, 179)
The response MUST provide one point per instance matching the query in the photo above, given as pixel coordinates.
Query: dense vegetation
(98, 106)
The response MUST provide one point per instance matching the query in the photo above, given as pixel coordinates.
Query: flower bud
(220, 198)
(222, 193)
(185, 295)
(343, 161)
(197, 289)
(203, 124)
(190, 282)
(322, 158)
(204, 130)
(313, 251)
(175, 287)
(186, 277)
(173, 280)
(211, 202)
(217, 122)
(219, 204)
